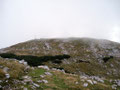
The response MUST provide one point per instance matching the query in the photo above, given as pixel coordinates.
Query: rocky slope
(94, 60)
(18, 75)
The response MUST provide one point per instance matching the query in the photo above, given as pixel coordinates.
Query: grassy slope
(57, 81)
(85, 49)
(79, 49)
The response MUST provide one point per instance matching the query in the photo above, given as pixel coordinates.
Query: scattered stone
(25, 89)
(23, 62)
(42, 81)
(27, 79)
(110, 80)
(90, 82)
(98, 79)
(5, 69)
(48, 73)
(7, 75)
(85, 84)
(1, 66)
(76, 82)
(44, 67)
(0, 86)
(114, 86)
(42, 76)
(83, 77)
(45, 81)
(54, 69)
(82, 80)
(1, 81)
(118, 83)
(111, 65)
(36, 85)
(32, 68)
(94, 82)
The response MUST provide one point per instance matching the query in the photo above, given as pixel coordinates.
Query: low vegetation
(74, 64)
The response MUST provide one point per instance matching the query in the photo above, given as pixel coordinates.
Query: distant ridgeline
(35, 60)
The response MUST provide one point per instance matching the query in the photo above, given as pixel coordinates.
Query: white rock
(36, 85)
(94, 82)
(25, 77)
(42, 81)
(5, 69)
(1, 81)
(0, 86)
(23, 62)
(85, 84)
(45, 81)
(114, 86)
(48, 73)
(118, 83)
(25, 89)
(7, 75)
(39, 81)
(99, 79)
(42, 76)
(82, 80)
(83, 77)
(76, 82)
(44, 67)
(90, 82)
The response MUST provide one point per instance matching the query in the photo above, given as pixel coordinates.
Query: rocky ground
(61, 64)
(18, 75)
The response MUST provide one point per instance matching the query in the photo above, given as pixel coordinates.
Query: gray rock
(1, 81)
(85, 84)
(7, 75)
(5, 69)
(42, 76)
(27, 79)
(83, 77)
(118, 83)
(45, 81)
(114, 86)
(90, 82)
(42, 81)
(98, 79)
(23, 62)
(39, 81)
(94, 82)
(25, 89)
(48, 73)
(76, 82)
(44, 67)
(36, 85)
(0, 86)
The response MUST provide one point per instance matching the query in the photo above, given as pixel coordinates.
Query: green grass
(37, 72)
(59, 82)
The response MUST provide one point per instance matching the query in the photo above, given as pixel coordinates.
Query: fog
(22, 20)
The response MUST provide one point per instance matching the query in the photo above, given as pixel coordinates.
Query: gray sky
(22, 20)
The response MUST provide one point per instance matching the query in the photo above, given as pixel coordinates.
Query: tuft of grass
(37, 72)
(2, 73)
(16, 69)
